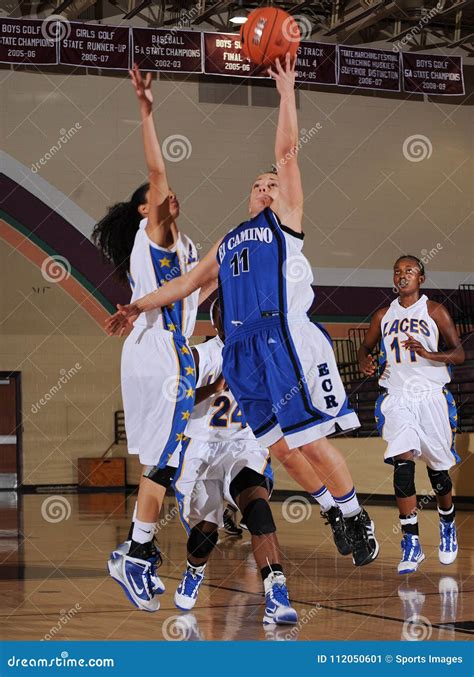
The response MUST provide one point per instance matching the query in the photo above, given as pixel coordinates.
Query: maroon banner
(95, 46)
(316, 63)
(223, 56)
(175, 51)
(432, 74)
(365, 68)
(27, 42)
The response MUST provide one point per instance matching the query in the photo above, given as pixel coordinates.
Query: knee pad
(246, 479)
(162, 476)
(404, 478)
(440, 481)
(201, 544)
(258, 517)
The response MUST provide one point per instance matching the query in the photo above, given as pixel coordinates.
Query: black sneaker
(335, 519)
(360, 533)
(230, 527)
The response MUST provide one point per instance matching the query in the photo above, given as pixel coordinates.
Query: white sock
(143, 532)
(349, 503)
(324, 497)
(196, 569)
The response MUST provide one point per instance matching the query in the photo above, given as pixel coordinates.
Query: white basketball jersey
(152, 266)
(403, 368)
(218, 418)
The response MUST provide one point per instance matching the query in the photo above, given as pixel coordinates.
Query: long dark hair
(115, 233)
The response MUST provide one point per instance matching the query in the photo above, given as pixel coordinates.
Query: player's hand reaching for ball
(142, 86)
(284, 75)
(368, 366)
(120, 323)
(416, 346)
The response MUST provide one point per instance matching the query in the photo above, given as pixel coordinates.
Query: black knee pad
(246, 479)
(162, 476)
(404, 478)
(258, 517)
(440, 481)
(201, 544)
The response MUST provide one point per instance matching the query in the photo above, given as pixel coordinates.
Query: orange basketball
(268, 34)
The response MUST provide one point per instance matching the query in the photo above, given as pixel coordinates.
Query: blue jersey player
(279, 365)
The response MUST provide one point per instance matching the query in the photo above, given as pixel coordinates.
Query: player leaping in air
(416, 415)
(278, 364)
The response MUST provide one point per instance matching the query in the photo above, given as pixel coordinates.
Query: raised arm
(290, 199)
(367, 364)
(159, 219)
(203, 274)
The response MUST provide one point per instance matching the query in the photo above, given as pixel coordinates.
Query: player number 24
(222, 418)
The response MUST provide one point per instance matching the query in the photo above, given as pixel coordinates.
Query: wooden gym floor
(54, 585)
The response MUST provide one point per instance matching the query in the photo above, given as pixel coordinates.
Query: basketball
(269, 34)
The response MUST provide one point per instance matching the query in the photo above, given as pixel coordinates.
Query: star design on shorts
(165, 262)
(376, 419)
(189, 392)
(172, 327)
(184, 350)
(180, 437)
(186, 415)
(189, 371)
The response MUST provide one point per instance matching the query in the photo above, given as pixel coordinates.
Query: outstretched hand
(284, 76)
(414, 345)
(119, 323)
(142, 86)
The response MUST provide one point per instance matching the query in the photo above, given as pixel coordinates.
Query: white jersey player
(157, 370)
(222, 460)
(416, 415)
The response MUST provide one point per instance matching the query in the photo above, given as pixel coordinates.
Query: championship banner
(365, 68)
(95, 46)
(170, 51)
(49, 42)
(432, 74)
(223, 56)
(316, 63)
(27, 42)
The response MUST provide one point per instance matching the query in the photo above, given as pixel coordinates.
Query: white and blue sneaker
(187, 591)
(120, 550)
(448, 544)
(412, 554)
(138, 579)
(277, 604)
(158, 586)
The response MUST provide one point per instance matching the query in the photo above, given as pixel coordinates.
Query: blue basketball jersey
(263, 273)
